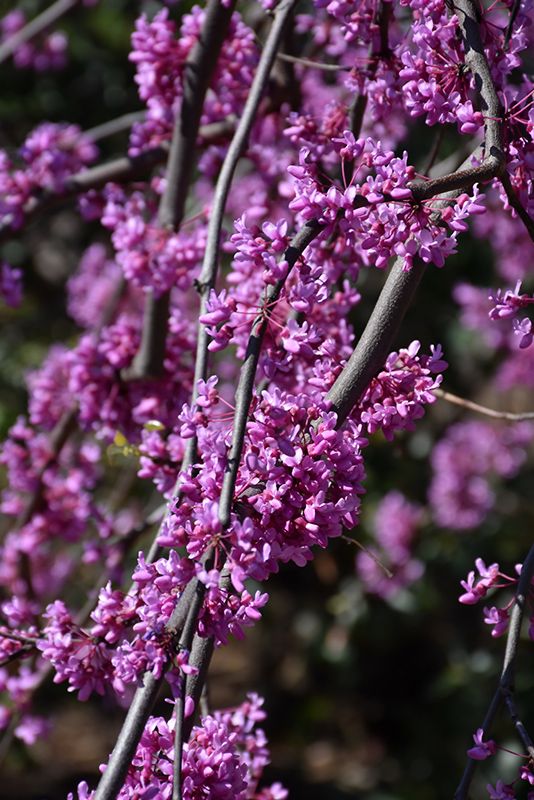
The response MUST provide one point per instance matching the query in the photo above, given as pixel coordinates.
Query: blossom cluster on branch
(263, 474)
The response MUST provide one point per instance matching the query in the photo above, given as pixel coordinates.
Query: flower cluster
(395, 524)
(225, 757)
(464, 463)
(396, 398)
(43, 53)
(506, 306)
(49, 156)
(150, 256)
(375, 210)
(160, 58)
(435, 82)
(304, 479)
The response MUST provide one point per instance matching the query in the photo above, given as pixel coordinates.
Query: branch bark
(510, 416)
(493, 164)
(197, 76)
(210, 265)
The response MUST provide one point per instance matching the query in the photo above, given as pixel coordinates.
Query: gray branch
(198, 72)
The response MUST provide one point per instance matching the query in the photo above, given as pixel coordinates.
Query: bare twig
(113, 126)
(307, 62)
(511, 416)
(434, 152)
(36, 26)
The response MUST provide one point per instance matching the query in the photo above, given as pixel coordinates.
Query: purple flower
(501, 791)
(10, 285)
(482, 749)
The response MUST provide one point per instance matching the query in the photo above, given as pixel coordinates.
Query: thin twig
(511, 416)
(307, 62)
(113, 126)
(505, 686)
(208, 274)
(243, 395)
(434, 152)
(515, 203)
(36, 26)
(513, 14)
(185, 643)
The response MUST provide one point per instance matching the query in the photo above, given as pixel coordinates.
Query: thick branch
(197, 76)
(375, 342)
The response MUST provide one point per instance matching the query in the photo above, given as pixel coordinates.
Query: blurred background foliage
(365, 698)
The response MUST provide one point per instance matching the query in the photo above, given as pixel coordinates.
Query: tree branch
(505, 686)
(307, 62)
(198, 72)
(515, 203)
(208, 275)
(375, 342)
(119, 170)
(493, 164)
(36, 26)
(510, 416)
(359, 105)
(113, 126)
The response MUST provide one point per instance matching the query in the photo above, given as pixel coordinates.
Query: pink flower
(482, 750)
